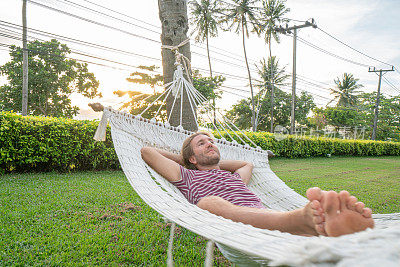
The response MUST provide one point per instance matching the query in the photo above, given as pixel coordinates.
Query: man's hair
(187, 150)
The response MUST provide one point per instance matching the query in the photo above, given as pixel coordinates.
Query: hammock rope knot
(180, 59)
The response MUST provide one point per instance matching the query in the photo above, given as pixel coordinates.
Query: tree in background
(341, 116)
(145, 78)
(52, 79)
(205, 19)
(272, 77)
(240, 15)
(362, 116)
(240, 112)
(346, 91)
(139, 101)
(389, 115)
(271, 15)
(208, 87)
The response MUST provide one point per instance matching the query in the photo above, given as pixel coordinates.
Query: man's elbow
(144, 151)
(251, 166)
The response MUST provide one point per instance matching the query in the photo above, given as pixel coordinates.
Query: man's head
(199, 150)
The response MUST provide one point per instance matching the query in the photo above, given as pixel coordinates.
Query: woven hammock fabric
(241, 243)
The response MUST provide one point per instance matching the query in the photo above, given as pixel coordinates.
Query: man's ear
(193, 160)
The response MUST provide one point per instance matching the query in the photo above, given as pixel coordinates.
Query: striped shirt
(196, 184)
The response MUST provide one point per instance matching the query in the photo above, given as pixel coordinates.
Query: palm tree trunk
(208, 54)
(211, 75)
(272, 87)
(251, 86)
(174, 22)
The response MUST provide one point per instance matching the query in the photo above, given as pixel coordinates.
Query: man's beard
(205, 160)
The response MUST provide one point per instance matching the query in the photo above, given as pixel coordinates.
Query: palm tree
(205, 15)
(271, 15)
(346, 91)
(174, 25)
(242, 14)
(272, 78)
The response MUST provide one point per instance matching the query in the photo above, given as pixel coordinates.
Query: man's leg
(300, 222)
(327, 213)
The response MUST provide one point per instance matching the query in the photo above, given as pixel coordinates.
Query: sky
(369, 26)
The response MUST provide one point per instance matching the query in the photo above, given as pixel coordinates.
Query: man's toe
(314, 193)
(331, 203)
(351, 203)
(367, 213)
(360, 207)
(343, 197)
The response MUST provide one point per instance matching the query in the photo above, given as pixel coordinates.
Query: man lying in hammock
(219, 186)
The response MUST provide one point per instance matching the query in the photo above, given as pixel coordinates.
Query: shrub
(52, 144)
(304, 146)
(58, 144)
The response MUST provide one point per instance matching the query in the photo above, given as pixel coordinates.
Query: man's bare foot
(343, 214)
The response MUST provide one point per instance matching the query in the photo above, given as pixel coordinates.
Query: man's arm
(243, 168)
(163, 162)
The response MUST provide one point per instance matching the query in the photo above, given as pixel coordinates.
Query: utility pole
(288, 30)
(24, 62)
(372, 69)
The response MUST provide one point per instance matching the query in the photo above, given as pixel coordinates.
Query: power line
(80, 53)
(333, 37)
(107, 15)
(104, 65)
(113, 49)
(101, 46)
(92, 21)
(390, 84)
(298, 79)
(158, 32)
(313, 80)
(67, 13)
(311, 93)
(129, 65)
(122, 14)
(117, 29)
(76, 41)
(115, 62)
(330, 53)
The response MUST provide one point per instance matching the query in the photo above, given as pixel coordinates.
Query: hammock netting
(240, 243)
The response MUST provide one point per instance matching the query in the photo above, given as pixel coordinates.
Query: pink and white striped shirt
(196, 184)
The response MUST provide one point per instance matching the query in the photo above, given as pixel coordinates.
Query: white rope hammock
(240, 243)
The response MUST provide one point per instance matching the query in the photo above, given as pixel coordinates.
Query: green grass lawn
(95, 218)
(375, 181)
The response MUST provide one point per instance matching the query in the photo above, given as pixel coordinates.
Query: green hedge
(56, 144)
(290, 146)
(52, 144)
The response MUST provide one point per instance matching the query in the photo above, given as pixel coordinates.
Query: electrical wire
(330, 53)
(158, 32)
(391, 84)
(92, 21)
(80, 42)
(333, 37)
(111, 26)
(132, 66)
